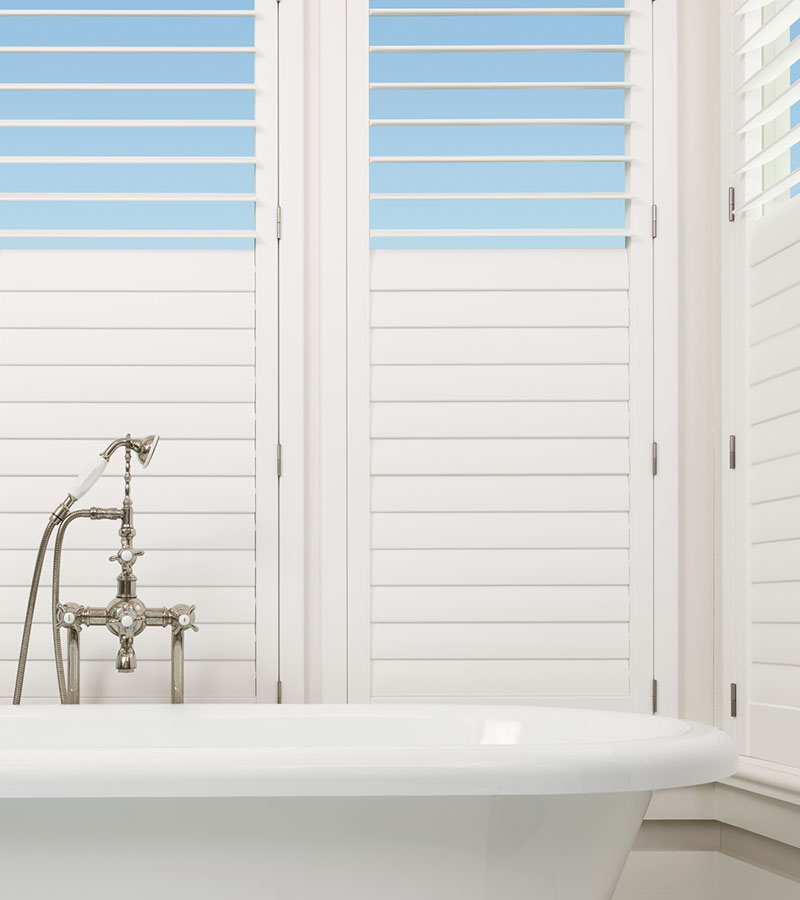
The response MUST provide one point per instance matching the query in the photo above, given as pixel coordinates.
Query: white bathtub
(313, 802)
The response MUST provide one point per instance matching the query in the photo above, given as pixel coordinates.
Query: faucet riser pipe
(73, 666)
(177, 666)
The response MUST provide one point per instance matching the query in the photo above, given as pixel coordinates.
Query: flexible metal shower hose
(78, 514)
(26, 631)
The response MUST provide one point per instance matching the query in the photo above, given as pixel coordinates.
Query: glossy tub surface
(349, 802)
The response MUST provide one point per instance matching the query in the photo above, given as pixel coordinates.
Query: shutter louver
(538, 96)
(768, 102)
(500, 354)
(127, 128)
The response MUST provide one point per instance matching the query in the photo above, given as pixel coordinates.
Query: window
(129, 127)
(500, 353)
(499, 128)
(762, 507)
(768, 88)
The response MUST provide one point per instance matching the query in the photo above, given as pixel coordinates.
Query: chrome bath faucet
(125, 616)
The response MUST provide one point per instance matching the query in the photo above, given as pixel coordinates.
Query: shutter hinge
(733, 701)
(655, 221)
(655, 458)
(732, 452)
(279, 692)
(278, 218)
(655, 696)
(731, 204)
(279, 460)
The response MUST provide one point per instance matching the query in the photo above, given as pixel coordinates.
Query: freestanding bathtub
(333, 802)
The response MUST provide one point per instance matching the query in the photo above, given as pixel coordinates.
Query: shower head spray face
(146, 449)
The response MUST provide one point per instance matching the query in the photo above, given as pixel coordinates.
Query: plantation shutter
(136, 210)
(500, 353)
(768, 347)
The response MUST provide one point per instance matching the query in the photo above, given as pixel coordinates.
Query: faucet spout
(126, 656)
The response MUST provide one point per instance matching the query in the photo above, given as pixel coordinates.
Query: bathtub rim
(700, 755)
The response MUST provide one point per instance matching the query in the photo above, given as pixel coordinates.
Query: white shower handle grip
(88, 478)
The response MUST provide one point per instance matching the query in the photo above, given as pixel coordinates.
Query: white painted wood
(172, 420)
(507, 420)
(360, 273)
(105, 309)
(775, 480)
(519, 11)
(291, 115)
(667, 182)
(204, 385)
(776, 644)
(778, 232)
(778, 314)
(776, 562)
(493, 640)
(498, 529)
(499, 493)
(486, 567)
(59, 13)
(328, 257)
(774, 356)
(137, 270)
(514, 309)
(493, 604)
(453, 346)
(267, 357)
(774, 275)
(512, 382)
(775, 732)
(775, 521)
(775, 685)
(500, 48)
(465, 270)
(500, 457)
(499, 436)
(492, 678)
(775, 603)
(777, 437)
(775, 397)
(126, 346)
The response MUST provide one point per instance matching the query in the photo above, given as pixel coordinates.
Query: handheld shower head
(143, 447)
(146, 449)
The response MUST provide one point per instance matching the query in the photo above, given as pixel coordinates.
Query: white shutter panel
(500, 356)
(128, 259)
(769, 669)
(765, 536)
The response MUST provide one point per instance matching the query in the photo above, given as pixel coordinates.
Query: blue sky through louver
(795, 114)
(131, 68)
(518, 140)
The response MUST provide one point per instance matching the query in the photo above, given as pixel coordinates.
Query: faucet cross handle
(183, 618)
(126, 556)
